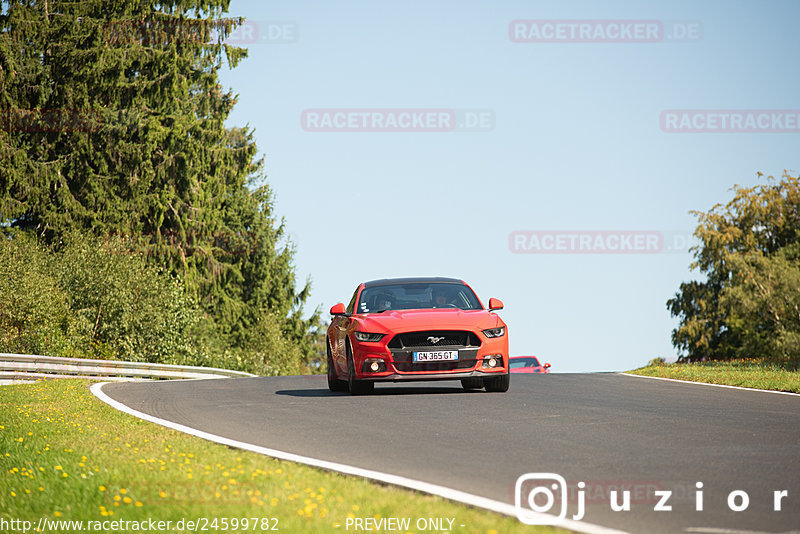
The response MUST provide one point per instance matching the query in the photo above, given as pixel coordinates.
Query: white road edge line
(715, 385)
(417, 485)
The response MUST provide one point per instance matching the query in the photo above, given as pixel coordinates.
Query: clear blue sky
(574, 144)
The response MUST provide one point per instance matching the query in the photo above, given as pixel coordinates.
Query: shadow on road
(379, 392)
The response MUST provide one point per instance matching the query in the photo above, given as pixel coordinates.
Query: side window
(352, 305)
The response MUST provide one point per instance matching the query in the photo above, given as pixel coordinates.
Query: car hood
(433, 319)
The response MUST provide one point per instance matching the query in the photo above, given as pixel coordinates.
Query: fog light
(373, 365)
(491, 361)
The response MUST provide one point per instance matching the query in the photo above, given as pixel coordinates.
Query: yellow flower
(163, 494)
(57, 514)
(102, 488)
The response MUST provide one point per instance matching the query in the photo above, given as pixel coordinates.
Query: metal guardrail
(30, 367)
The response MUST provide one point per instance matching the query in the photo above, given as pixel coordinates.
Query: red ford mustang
(416, 329)
(528, 364)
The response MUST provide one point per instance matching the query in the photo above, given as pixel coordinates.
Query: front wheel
(356, 387)
(471, 383)
(334, 384)
(497, 384)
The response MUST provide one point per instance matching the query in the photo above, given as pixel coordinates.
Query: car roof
(422, 280)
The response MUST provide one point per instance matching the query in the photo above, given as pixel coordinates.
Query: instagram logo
(536, 495)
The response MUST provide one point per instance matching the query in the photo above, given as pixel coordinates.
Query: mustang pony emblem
(434, 339)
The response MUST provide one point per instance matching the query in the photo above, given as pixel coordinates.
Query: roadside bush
(87, 297)
(34, 312)
(270, 352)
(91, 298)
(128, 309)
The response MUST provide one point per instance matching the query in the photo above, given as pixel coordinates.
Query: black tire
(334, 384)
(471, 383)
(497, 384)
(356, 387)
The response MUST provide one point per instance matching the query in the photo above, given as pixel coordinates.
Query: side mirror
(495, 304)
(547, 366)
(337, 309)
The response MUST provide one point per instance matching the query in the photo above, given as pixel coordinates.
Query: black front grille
(448, 338)
(404, 361)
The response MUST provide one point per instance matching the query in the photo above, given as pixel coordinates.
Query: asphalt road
(607, 430)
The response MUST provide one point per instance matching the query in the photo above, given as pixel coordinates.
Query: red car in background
(416, 329)
(527, 364)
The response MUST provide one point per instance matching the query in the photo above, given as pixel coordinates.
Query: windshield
(417, 296)
(516, 363)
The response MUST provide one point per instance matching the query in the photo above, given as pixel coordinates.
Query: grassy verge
(745, 373)
(65, 456)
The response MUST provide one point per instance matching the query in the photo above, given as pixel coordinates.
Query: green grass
(755, 374)
(65, 455)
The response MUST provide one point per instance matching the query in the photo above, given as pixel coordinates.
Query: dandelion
(102, 488)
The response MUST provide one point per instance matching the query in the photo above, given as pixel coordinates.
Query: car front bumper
(419, 377)
(469, 365)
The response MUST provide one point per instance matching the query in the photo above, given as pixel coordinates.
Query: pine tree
(112, 122)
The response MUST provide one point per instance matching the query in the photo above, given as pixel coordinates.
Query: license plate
(435, 356)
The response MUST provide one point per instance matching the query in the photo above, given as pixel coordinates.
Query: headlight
(495, 332)
(369, 337)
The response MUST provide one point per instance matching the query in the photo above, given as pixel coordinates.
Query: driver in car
(383, 301)
(441, 298)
